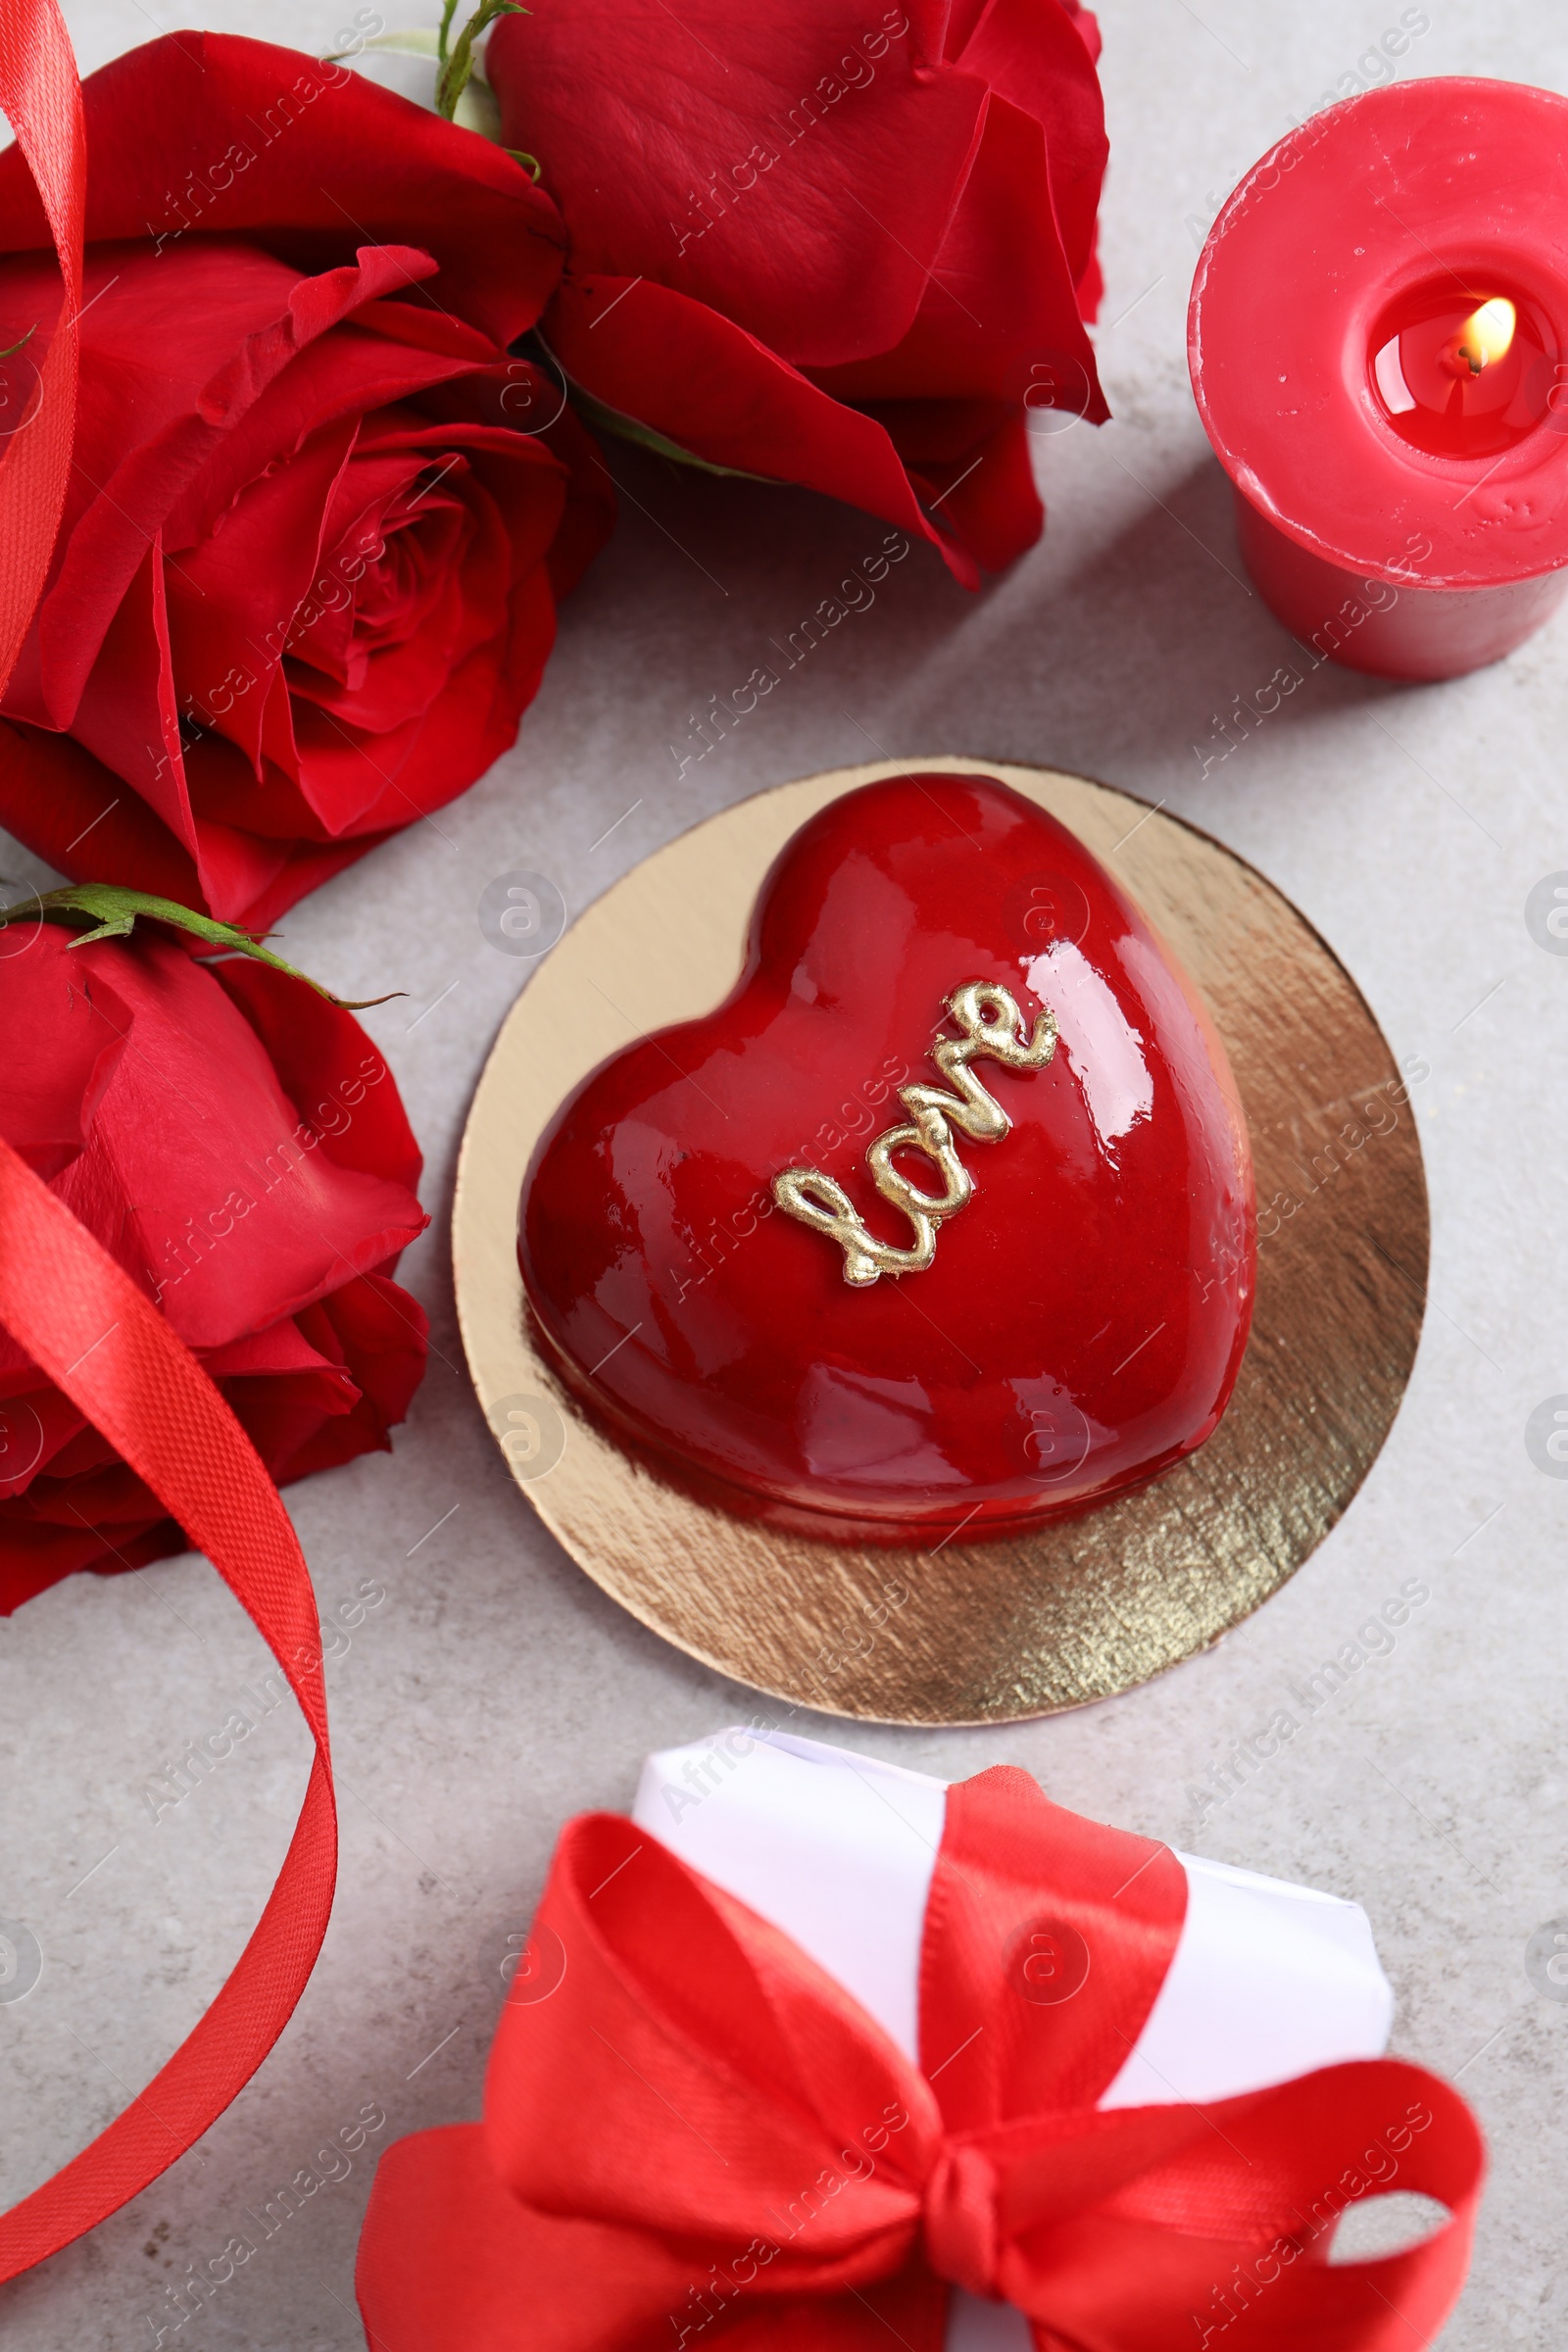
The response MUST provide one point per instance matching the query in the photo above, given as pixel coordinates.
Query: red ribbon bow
(693, 2133)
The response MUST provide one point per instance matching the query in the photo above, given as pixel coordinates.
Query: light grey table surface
(496, 1691)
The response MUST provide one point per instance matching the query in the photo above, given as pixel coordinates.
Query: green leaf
(113, 913)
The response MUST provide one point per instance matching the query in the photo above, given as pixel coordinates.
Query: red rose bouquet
(236, 1142)
(844, 246)
(305, 582)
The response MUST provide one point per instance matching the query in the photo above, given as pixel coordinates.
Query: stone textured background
(495, 1690)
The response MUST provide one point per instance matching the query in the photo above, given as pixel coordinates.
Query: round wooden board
(992, 1631)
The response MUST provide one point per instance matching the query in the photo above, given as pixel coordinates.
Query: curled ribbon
(85, 1324)
(694, 2136)
(101, 1340)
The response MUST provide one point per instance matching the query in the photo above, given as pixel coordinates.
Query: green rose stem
(113, 912)
(462, 93)
(457, 60)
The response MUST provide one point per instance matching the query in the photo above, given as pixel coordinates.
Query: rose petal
(1033, 54)
(209, 132)
(56, 1071)
(283, 1347)
(534, 403)
(368, 363)
(353, 540)
(312, 1391)
(773, 176)
(78, 816)
(705, 383)
(331, 1072)
(1086, 27)
(380, 1331)
(233, 599)
(470, 723)
(240, 1221)
(130, 482)
(589, 515)
(33, 1556)
(523, 472)
(127, 714)
(39, 1424)
(1000, 310)
(988, 494)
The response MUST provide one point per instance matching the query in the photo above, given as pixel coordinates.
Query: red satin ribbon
(85, 1324)
(41, 97)
(692, 2134)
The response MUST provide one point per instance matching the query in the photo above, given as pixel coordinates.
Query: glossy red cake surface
(1036, 1291)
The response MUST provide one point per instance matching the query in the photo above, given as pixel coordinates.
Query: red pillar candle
(1378, 341)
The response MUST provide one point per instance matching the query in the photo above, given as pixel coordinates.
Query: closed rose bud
(236, 1141)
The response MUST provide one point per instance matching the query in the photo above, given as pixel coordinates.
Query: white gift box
(1269, 1981)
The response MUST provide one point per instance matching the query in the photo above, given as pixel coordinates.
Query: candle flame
(1485, 337)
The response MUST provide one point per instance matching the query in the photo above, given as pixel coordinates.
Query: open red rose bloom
(848, 250)
(236, 1142)
(305, 583)
(944, 1218)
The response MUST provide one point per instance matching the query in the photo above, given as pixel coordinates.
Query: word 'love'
(994, 1027)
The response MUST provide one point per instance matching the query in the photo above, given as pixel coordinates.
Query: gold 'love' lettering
(994, 1027)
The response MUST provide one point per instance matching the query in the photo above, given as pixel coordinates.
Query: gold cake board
(966, 1633)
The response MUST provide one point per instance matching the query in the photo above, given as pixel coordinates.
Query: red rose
(238, 1145)
(837, 246)
(305, 584)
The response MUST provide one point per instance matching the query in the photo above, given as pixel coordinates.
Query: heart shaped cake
(944, 1218)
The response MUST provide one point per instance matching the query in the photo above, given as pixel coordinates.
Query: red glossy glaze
(1083, 1320)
